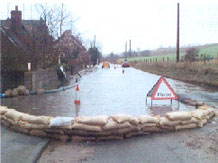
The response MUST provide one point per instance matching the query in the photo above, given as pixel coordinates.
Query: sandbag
(204, 107)
(152, 129)
(38, 133)
(147, 125)
(54, 131)
(190, 102)
(63, 138)
(166, 122)
(167, 128)
(199, 113)
(147, 119)
(5, 123)
(103, 133)
(136, 133)
(127, 130)
(69, 127)
(19, 129)
(193, 120)
(120, 118)
(176, 116)
(14, 92)
(75, 132)
(97, 120)
(202, 123)
(111, 137)
(40, 91)
(114, 125)
(210, 115)
(21, 89)
(211, 109)
(82, 138)
(8, 93)
(61, 121)
(199, 104)
(90, 133)
(2, 117)
(13, 115)
(26, 92)
(37, 119)
(11, 121)
(3, 110)
(180, 127)
(216, 113)
(28, 125)
(86, 127)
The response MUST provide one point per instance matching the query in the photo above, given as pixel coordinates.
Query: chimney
(16, 18)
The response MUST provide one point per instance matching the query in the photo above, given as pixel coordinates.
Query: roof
(69, 41)
(18, 39)
(14, 40)
(27, 26)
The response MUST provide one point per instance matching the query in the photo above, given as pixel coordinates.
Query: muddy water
(109, 92)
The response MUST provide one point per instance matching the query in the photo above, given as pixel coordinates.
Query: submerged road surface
(109, 92)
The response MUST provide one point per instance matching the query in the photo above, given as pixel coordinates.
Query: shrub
(191, 54)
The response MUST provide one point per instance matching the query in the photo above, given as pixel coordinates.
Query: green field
(211, 52)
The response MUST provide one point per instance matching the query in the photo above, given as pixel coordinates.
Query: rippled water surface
(109, 92)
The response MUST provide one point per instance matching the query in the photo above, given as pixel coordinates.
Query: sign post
(162, 91)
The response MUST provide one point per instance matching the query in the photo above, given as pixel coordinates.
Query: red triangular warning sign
(163, 91)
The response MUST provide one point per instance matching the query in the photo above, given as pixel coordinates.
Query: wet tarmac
(109, 92)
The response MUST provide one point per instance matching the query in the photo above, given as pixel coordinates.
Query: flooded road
(109, 92)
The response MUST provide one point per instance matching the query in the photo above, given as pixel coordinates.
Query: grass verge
(196, 73)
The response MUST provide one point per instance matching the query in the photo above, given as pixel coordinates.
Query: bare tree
(56, 17)
(47, 15)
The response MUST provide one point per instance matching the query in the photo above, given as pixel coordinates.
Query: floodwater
(110, 92)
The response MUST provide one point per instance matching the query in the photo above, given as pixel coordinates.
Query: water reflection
(77, 109)
(162, 110)
(161, 107)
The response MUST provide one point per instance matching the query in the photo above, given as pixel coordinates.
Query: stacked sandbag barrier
(103, 127)
(24, 123)
(19, 91)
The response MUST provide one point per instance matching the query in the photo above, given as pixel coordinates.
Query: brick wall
(11, 80)
(45, 79)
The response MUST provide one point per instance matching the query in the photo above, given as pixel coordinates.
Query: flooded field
(109, 92)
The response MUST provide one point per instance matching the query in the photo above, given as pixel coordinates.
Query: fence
(200, 57)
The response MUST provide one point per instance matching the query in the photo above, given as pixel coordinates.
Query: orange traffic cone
(77, 98)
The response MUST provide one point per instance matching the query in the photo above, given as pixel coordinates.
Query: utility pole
(126, 51)
(130, 48)
(177, 44)
(94, 40)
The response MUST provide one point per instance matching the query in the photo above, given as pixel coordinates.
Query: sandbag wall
(105, 127)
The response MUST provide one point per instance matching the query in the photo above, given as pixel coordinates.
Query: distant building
(22, 41)
(71, 52)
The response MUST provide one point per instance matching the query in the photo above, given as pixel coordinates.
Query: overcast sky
(149, 24)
